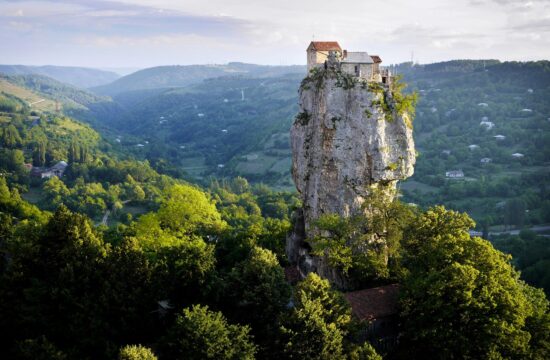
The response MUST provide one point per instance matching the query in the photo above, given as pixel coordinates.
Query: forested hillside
(485, 119)
(178, 76)
(222, 126)
(112, 259)
(492, 122)
(76, 76)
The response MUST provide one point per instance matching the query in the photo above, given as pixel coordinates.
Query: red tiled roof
(375, 303)
(325, 46)
(292, 274)
(376, 59)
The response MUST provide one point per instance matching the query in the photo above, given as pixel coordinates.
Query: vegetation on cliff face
(404, 103)
(366, 248)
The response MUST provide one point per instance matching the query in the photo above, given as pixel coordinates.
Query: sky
(145, 33)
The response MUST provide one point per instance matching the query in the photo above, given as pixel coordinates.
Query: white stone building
(356, 63)
(455, 174)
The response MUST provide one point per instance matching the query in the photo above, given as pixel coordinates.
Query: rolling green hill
(75, 102)
(178, 76)
(29, 97)
(76, 76)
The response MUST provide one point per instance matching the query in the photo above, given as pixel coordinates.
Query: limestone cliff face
(347, 138)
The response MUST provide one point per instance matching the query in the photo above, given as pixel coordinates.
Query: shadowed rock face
(344, 142)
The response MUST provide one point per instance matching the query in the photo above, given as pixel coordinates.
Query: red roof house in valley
(292, 274)
(377, 310)
(375, 303)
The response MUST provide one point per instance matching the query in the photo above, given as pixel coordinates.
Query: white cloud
(276, 31)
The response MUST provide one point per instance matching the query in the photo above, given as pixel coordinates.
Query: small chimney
(345, 54)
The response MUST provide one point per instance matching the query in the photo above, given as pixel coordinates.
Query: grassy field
(283, 165)
(194, 166)
(34, 195)
(258, 165)
(411, 185)
(36, 101)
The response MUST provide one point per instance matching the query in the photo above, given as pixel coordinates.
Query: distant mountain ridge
(77, 76)
(56, 90)
(183, 75)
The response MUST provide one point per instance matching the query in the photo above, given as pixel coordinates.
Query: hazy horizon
(145, 33)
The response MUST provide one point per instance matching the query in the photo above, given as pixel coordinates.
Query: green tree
(55, 193)
(182, 271)
(11, 137)
(364, 352)
(39, 153)
(515, 212)
(127, 293)
(318, 323)
(461, 297)
(52, 284)
(186, 209)
(199, 333)
(39, 349)
(74, 153)
(259, 290)
(136, 352)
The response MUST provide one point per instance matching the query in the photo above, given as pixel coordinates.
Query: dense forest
(124, 257)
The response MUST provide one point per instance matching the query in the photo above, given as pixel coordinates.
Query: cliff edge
(349, 137)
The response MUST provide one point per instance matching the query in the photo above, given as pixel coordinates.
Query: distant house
(446, 152)
(474, 233)
(530, 91)
(449, 112)
(526, 110)
(517, 155)
(47, 173)
(377, 310)
(454, 174)
(483, 104)
(35, 120)
(488, 124)
(486, 160)
(499, 137)
(473, 147)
